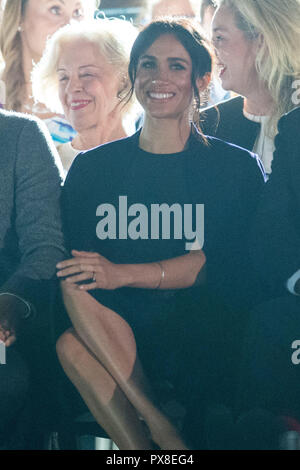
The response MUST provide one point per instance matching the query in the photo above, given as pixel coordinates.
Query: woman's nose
(67, 19)
(74, 85)
(161, 74)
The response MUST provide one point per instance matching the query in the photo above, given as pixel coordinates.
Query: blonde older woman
(255, 44)
(83, 74)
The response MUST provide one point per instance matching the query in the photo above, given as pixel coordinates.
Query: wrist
(161, 276)
(126, 275)
(149, 275)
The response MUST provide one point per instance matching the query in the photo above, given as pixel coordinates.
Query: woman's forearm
(175, 273)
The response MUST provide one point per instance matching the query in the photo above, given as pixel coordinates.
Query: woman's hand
(87, 266)
(12, 310)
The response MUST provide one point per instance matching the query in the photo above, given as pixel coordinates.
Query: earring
(19, 29)
(196, 110)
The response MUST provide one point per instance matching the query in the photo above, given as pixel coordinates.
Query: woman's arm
(175, 273)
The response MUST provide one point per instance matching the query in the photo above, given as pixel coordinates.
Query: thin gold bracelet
(162, 276)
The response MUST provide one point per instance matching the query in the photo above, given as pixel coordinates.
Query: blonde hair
(278, 60)
(12, 51)
(113, 38)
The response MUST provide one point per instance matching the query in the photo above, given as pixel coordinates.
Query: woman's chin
(226, 84)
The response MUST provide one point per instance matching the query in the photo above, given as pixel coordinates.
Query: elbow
(197, 275)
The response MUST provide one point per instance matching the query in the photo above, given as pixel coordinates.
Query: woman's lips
(158, 96)
(76, 105)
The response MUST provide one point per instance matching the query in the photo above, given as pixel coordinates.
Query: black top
(227, 122)
(278, 220)
(223, 177)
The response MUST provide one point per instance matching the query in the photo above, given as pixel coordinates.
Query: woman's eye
(78, 13)
(147, 65)
(177, 66)
(218, 39)
(62, 78)
(86, 75)
(56, 10)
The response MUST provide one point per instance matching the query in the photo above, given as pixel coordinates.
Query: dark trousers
(268, 378)
(14, 384)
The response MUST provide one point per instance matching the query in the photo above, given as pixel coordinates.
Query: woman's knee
(68, 348)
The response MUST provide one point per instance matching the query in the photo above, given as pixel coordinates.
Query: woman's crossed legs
(100, 357)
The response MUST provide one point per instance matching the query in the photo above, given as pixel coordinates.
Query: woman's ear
(203, 82)
(259, 42)
(123, 88)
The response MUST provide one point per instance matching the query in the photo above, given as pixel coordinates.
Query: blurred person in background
(187, 8)
(154, 9)
(216, 93)
(207, 11)
(25, 27)
(255, 43)
(84, 74)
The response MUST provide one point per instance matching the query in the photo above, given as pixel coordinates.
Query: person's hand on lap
(87, 266)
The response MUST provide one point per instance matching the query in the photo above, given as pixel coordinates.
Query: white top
(264, 145)
(67, 154)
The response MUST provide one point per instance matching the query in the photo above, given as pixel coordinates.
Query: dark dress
(223, 177)
(177, 331)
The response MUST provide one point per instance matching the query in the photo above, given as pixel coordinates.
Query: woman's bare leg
(103, 396)
(111, 340)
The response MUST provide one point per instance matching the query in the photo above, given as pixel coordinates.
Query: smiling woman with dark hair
(123, 281)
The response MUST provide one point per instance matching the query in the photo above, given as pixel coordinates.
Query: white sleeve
(292, 282)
